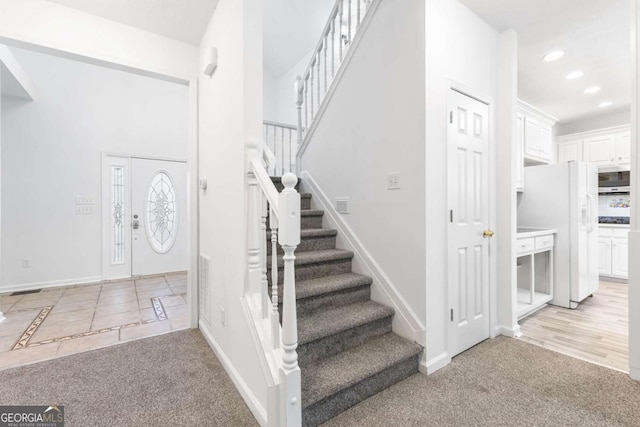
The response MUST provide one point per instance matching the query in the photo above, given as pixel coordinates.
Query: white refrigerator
(564, 196)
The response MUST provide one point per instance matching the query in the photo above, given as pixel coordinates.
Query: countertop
(527, 232)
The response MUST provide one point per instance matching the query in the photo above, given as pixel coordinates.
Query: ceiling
(292, 29)
(183, 20)
(595, 37)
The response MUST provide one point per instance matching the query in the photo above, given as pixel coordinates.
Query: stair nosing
(311, 212)
(307, 257)
(360, 280)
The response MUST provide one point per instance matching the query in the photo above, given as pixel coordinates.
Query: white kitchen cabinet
(603, 147)
(519, 149)
(534, 255)
(600, 150)
(538, 134)
(570, 151)
(613, 248)
(604, 256)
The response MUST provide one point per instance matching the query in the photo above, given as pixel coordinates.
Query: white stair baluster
(275, 317)
(264, 284)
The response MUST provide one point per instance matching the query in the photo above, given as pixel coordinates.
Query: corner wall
(460, 47)
(374, 125)
(230, 112)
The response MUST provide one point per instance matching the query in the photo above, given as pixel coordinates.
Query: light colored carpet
(504, 382)
(176, 380)
(168, 380)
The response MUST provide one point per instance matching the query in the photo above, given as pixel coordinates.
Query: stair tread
(313, 232)
(326, 377)
(311, 212)
(305, 195)
(321, 324)
(324, 285)
(315, 257)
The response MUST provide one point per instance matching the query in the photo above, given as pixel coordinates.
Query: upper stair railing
(282, 140)
(278, 343)
(337, 37)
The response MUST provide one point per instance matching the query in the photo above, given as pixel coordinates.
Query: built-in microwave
(617, 182)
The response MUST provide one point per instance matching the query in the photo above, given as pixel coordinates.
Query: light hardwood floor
(597, 331)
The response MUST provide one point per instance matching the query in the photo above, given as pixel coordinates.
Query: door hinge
(451, 215)
(451, 117)
(452, 314)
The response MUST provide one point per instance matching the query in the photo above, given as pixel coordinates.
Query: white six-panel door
(468, 254)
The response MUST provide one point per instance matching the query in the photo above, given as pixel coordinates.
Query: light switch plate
(393, 181)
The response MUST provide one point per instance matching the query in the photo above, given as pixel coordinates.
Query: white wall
(230, 111)
(615, 118)
(463, 48)
(269, 99)
(50, 25)
(51, 153)
(374, 124)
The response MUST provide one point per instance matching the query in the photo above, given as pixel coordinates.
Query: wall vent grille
(343, 205)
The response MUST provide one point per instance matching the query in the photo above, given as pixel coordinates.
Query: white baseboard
(436, 363)
(250, 399)
(513, 332)
(634, 373)
(52, 284)
(405, 322)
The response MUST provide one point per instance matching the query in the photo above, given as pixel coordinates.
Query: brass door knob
(487, 233)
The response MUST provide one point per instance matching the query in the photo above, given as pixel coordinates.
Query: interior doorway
(468, 144)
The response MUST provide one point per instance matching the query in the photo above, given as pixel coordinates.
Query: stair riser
(307, 222)
(344, 340)
(309, 244)
(315, 271)
(333, 300)
(305, 204)
(332, 406)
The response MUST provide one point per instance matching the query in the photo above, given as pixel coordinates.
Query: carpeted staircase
(346, 349)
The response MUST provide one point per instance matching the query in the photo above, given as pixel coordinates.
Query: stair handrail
(283, 211)
(305, 84)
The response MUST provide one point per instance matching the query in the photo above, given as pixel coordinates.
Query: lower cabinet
(613, 250)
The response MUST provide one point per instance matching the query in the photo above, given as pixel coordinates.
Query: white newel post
(289, 238)
(253, 229)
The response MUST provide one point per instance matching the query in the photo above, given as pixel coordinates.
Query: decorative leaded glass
(161, 213)
(117, 212)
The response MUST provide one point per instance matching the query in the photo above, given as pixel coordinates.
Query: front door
(468, 253)
(144, 216)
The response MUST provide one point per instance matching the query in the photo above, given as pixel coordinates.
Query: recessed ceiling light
(553, 55)
(605, 104)
(592, 89)
(574, 75)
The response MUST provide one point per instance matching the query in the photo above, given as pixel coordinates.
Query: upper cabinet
(603, 148)
(538, 134)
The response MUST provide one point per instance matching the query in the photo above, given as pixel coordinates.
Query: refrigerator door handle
(591, 224)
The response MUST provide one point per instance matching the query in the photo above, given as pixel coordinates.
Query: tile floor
(60, 321)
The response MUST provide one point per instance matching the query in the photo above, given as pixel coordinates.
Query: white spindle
(264, 283)
(358, 14)
(289, 238)
(325, 62)
(254, 245)
(341, 21)
(275, 317)
(333, 48)
(311, 91)
(319, 81)
(349, 25)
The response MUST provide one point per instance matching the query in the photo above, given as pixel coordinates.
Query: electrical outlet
(393, 181)
(222, 316)
(26, 263)
(85, 209)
